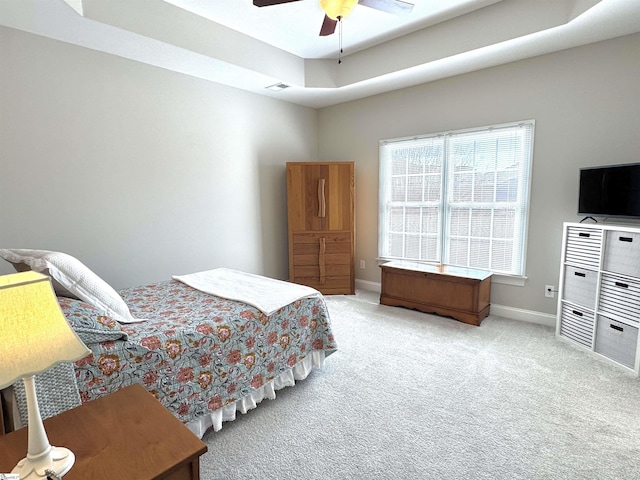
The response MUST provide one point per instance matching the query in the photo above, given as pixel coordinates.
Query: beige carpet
(415, 396)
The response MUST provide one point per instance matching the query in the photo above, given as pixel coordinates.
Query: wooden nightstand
(127, 435)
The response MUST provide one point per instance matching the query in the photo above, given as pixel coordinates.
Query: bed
(203, 356)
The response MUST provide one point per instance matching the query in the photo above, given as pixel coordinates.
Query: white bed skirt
(299, 371)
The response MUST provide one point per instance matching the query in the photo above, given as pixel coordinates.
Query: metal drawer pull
(616, 327)
(580, 274)
(622, 285)
(582, 234)
(625, 239)
(576, 312)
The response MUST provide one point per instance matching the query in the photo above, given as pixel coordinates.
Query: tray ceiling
(234, 43)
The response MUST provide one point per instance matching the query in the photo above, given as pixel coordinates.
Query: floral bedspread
(197, 352)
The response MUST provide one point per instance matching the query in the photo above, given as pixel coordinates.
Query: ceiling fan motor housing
(337, 8)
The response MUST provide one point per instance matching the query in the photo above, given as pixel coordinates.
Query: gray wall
(140, 172)
(586, 104)
(143, 173)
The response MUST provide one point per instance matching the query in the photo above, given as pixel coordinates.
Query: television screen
(610, 191)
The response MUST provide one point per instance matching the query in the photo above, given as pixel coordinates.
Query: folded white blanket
(266, 294)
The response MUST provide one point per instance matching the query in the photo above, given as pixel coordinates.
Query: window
(459, 198)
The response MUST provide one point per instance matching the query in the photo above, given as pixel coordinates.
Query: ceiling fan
(336, 10)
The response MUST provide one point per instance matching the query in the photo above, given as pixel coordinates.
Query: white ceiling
(234, 43)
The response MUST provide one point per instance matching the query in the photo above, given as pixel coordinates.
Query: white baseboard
(514, 313)
(367, 285)
(530, 316)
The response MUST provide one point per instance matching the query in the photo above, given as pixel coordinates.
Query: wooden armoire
(321, 219)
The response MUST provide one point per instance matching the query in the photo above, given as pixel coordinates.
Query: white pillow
(59, 289)
(74, 276)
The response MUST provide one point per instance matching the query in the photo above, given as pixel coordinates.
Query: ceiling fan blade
(328, 26)
(266, 3)
(396, 7)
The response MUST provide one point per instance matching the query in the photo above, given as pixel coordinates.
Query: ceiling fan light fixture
(337, 8)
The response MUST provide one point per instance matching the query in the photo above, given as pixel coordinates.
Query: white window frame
(516, 275)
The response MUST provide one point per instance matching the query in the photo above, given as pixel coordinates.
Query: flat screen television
(610, 191)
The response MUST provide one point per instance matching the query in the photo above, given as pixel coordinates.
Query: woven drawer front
(622, 253)
(580, 286)
(577, 324)
(620, 296)
(583, 247)
(617, 341)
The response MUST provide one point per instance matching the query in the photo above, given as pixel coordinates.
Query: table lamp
(35, 336)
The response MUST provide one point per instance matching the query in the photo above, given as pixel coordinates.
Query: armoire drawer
(622, 253)
(583, 247)
(331, 270)
(331, 284)
(580, 286)
(620, 297)
(309, 243)
(617, 341)
(577, 324)
(323, 260)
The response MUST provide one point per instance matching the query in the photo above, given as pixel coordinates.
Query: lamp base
(58, 459)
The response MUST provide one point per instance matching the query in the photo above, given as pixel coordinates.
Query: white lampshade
(34, 333)
(337, 8)
(34, 336)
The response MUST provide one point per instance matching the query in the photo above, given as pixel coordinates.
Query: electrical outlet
(549, 291)
(362, 264)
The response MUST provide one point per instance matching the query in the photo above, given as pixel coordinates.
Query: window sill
(508, 280)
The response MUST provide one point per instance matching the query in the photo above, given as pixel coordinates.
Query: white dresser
(599, 300)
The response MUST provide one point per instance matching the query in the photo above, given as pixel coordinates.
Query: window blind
(459, 198)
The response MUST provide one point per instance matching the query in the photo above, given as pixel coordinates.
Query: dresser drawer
(620, 297)
(580, 286)
(583, 247)
(617, 341)
(577, 324)
(622, 253)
